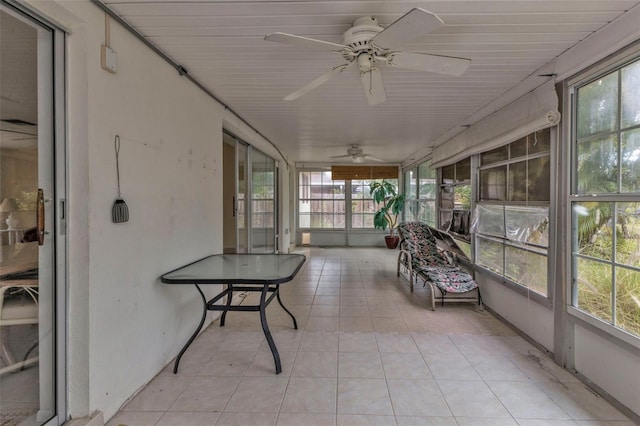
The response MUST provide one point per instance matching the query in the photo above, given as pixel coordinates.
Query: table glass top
(238, 268)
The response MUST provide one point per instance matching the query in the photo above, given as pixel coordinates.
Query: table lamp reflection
(9, 205)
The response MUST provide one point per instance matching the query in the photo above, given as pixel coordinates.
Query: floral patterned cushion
(427, 259)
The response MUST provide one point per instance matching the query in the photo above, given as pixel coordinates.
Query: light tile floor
(367, 352)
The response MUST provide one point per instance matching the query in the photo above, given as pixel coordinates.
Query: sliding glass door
(250, 198)
(30, 364)
(263, 203)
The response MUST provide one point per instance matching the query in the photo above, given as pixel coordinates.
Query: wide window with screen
(455, 199)
(511, 217)
(321, 201)
(605, 198)
(362, 206)
(324, 203)
(420, 191)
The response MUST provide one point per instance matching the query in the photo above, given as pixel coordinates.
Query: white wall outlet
(108, 59)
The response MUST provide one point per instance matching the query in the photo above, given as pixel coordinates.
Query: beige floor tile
(324, 310)
(245, 419)
(159, 394)
(323, 324)
(397, 343)
(472, 399)
(363, 396)
(525, 400)
(319, 341)
(435, 344)
(328, 291)
(450, 367)
(135, 418)
(352, 292)
(326, 300)
(358, 342)
(353, 300)
(496, 368)
(360, 365)
(206, 394)
(354, 311)
(479, 421)
(316, 364)
(230, 363)
(390, 325)
(414, 397)
(404, 366)
(191, 363)
(310, 395)
(353, 324)
(296, 419)
(286, 340)
(188, 419)
(263, 364)
(258, 394)
(425, 421)
(580, 402)
(365, 420)
(368, 352)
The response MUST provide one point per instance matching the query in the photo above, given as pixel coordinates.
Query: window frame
(456, 183)
(300, 199)
(613, 65)
(548, 251)
(413, 203)
(348, 203)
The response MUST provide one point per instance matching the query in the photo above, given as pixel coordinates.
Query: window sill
(606, 330)
(523, 291)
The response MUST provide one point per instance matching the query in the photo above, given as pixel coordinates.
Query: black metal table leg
(229, 298)
(295, 323)
(265, 329)
(195, 333)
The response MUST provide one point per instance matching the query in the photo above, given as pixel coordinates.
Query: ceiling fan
(357, 155)
(368, 44)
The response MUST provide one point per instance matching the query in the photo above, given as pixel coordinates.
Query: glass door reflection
(27, 321)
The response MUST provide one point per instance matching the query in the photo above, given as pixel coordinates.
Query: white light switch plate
(108, 59)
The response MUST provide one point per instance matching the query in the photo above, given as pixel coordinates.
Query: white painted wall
(124, 325)
(611, 367)
(530, 317)
(170, 170)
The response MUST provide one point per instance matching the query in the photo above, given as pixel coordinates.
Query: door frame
(54, 127)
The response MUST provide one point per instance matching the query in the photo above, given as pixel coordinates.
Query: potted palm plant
(391, 204)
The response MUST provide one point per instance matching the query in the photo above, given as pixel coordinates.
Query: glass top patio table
(238, 269)
(261, 273)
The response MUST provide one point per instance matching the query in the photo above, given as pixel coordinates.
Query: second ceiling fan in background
(368, 44)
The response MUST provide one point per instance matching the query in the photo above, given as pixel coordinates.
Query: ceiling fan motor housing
(358, 36)
(354, 150)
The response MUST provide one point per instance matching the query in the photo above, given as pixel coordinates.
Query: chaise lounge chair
(423, 259)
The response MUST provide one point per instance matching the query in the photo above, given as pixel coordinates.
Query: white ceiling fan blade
(371, 157)
(432, 63)
(317, 82)
(413, 24)
(305, 42)
(373, 86)
(341, 156)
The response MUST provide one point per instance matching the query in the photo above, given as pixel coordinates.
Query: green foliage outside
(595, 277)
(607, 234)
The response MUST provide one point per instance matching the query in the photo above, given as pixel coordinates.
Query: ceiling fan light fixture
(365, 62)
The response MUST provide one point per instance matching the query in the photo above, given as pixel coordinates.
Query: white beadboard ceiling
(221, 44)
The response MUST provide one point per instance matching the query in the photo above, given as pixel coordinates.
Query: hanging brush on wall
(120, 210)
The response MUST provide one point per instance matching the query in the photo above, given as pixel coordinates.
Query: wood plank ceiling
(221, 44)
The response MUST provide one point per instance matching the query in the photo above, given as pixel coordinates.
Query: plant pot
(391, 242)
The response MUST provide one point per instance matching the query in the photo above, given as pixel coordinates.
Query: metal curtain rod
(181, 70)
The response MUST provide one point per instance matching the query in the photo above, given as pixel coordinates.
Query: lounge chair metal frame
(445, 264)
